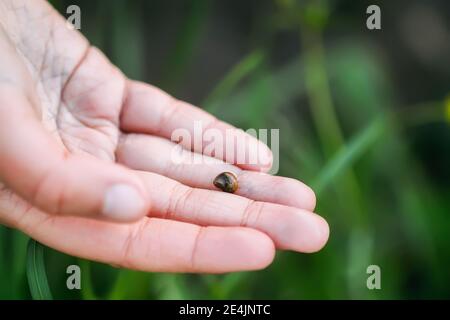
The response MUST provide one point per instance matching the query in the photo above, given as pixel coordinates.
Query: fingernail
(123, 203)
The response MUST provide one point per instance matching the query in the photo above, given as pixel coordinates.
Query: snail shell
(227, 182)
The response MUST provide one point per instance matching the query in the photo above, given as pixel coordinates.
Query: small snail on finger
(227, 182)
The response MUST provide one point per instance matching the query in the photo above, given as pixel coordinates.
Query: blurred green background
(364, 117)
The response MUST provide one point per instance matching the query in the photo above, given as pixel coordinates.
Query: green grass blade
(88, 292)
(232, 79)
(348, 154)
(37, 278)
(18, 262)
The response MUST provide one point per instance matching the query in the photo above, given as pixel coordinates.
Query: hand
(82, 148)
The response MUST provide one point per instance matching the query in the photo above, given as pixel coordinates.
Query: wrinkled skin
(85, 164)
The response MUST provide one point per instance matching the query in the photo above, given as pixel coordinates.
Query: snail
(227, 182)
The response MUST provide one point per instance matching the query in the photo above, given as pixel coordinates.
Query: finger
(290, 228)
(159, 155)
(153, 244)
(37, 167)
(150, 110)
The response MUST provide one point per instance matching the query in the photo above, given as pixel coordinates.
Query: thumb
(41, 171)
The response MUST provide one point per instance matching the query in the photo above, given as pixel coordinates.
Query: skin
(72, 126)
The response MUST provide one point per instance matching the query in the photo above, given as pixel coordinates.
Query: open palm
(85, 162)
